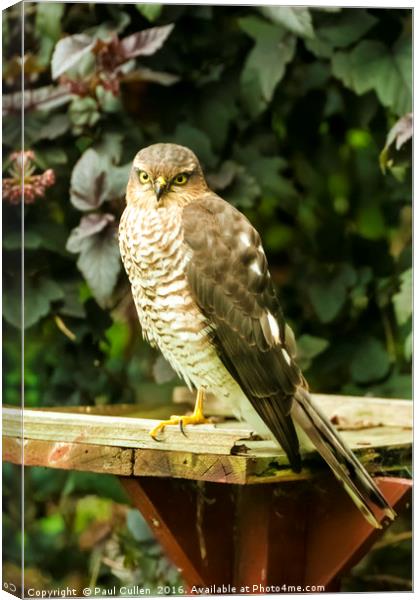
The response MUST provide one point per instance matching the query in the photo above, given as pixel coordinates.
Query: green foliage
(403, 299)
(48, 29)
(150, 11)
(371, 361)
(309, 347)
(373, 66)
(265, 64)
(288, 109)
(297, 20)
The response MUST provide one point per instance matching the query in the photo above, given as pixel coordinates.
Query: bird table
(223, 503)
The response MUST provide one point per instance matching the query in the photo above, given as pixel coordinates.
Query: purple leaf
(144, 74)
(401, 132)
(100, 263)
(43, 98)
(69, 51)
(88, 226)
(146, 42)
(89, 186)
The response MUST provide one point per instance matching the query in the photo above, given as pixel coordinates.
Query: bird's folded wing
(229, 278)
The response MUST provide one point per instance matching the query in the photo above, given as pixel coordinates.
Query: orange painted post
(193, 523)
(338, 536)
(248, 538)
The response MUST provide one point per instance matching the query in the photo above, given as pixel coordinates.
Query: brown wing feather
(229, 277)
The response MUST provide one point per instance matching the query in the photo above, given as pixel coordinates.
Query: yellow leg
(196, 418)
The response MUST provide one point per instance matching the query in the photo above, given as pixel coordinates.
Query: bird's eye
(181, 179)
(143, 176)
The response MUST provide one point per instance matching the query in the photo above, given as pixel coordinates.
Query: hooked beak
(160, 186)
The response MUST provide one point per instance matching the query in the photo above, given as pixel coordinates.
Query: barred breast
(155, 259)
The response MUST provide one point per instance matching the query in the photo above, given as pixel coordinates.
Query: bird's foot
(196, 418)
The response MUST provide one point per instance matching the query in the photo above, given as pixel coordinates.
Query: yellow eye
(143, 177)
(180, 179)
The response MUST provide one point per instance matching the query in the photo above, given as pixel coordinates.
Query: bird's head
(165, 175)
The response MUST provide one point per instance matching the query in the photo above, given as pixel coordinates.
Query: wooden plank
(126, 432)
(186, 465)
(365, 412)
(132, 432)
(346, 411)
(362, 440)
(69, 456)
(225, 452)
(233, 469)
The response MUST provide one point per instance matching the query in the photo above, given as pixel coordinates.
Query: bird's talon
(182, 428)
(196, 418)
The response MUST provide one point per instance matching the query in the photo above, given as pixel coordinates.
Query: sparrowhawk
(205, 298)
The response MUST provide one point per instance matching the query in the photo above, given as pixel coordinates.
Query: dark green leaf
(408, 346)
(107, 101)
(266, 63)
(370, 221)
(244, 190)
(12, 300)
(396, 386)
(197, 141)
(72, 305)
(371, 361)
(218, 111)
(48, 27)
(329, 295)
(340, 31)
(404, 298)
(309, 346)
(150, 11)
(373, 66)
(12, 240)
(38, 295)
(54, 126)
(296, 19)
(84, 112)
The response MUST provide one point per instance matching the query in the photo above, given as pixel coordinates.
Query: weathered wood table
(268, 529)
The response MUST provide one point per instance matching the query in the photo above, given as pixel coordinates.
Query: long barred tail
(340, 458)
